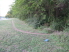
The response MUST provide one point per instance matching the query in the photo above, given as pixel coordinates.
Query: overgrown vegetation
(15, 41)
(53, 13)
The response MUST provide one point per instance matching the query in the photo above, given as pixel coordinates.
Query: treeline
(54, 13)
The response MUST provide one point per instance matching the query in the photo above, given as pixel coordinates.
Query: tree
(53, 12)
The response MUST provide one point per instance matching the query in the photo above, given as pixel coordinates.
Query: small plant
(2, 50)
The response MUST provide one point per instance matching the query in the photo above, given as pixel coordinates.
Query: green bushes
(58, 26)
(45, 11)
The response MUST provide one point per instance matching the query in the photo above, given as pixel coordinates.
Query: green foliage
(2, 50)
(46, 11)
(58, 25)
(9, 14)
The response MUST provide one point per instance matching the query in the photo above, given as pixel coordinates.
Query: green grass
(14, 41)
(24, 26)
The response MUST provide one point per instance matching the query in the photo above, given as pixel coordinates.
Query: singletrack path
(26, 31)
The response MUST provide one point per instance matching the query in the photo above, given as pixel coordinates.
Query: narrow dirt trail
(26, 31)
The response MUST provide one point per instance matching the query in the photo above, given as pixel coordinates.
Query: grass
(24, 26)
(14, 41)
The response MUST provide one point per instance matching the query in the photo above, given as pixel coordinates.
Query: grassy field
(14, 41)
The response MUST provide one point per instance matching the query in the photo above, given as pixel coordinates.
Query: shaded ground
(15, 41)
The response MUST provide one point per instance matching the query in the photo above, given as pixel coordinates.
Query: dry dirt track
(14, 27)
(25, 31)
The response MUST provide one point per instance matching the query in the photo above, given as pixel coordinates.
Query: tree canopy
(55, 13)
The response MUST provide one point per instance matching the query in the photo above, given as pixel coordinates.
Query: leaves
(43, 10)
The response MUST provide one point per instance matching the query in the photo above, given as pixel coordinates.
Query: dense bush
(53, 12)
